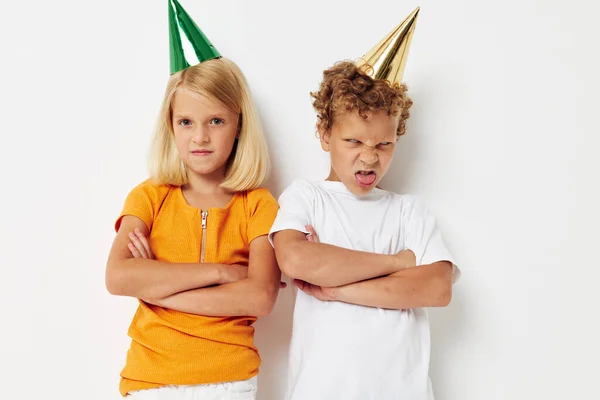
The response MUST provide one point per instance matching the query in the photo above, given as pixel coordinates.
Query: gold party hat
(387, 59)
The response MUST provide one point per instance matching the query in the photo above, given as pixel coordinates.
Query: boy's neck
(333, 176)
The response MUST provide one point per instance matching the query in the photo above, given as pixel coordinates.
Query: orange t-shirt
(170, 347)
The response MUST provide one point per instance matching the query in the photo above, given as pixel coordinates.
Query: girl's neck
(205, 184)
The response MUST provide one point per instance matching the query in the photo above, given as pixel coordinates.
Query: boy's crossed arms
(332, 273)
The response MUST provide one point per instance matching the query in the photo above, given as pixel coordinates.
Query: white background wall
(502, 145)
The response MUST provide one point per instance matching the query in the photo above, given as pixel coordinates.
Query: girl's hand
(234, 273)
(139, 246)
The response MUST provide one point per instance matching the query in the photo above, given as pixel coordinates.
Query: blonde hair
(222, 80)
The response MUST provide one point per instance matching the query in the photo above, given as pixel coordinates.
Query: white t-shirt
(351, 352)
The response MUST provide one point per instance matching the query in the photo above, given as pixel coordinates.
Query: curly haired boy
(367, 261)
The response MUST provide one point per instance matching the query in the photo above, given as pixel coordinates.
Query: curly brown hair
(347, 88)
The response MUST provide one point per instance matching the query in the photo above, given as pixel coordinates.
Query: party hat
(188, 45)
(387, 59)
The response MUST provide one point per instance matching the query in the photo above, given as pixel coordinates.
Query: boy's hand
(312, 234)
(406, 259)
(139, 246)
(321, 293)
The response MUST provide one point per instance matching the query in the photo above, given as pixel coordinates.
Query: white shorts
(240, 390)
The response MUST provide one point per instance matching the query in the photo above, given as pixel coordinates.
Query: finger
(282, 285)
(134, 251)
(136, 242)
(305, 287)
(141, 249)
(144, 241)
(312, 290)
(313, 233)
(299, 284)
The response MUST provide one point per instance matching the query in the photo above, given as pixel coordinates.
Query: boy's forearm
(143, 278)
(423, 286)
(246, 297)
(327, 266)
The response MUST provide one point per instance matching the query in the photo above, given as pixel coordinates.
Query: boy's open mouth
(365, 178)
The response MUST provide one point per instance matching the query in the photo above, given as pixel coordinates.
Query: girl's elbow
(113, 282)
(265, 303)
(116, 280)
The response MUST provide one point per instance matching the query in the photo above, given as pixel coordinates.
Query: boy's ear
(325, 137)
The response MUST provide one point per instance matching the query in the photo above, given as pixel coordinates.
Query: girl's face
(205, 132)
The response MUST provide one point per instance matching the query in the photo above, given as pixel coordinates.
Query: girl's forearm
(143, 278)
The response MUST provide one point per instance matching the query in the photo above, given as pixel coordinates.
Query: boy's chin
(360, 188)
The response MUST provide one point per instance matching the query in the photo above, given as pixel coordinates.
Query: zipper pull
(204, 215)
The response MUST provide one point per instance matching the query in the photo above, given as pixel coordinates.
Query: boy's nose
(368, 157)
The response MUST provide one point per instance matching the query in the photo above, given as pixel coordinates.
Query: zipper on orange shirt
(204, 216)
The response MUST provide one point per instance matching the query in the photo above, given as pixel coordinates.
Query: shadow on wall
(273, 332)
(272, 339)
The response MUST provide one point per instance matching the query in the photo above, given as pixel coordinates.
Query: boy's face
(361, 149)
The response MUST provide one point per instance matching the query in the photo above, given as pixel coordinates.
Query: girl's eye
(185, 122)
(216, 121)
(385, 143)
(353, 141)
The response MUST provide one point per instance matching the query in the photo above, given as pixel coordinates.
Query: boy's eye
(354, 141)
(185, 122)
(385, 143)
(216, 121)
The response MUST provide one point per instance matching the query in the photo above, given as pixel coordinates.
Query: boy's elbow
(289, 267)
(289, 262)
(443, 293)
(441, 287)
(444, 297)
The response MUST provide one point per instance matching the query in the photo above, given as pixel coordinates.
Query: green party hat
(188, 45)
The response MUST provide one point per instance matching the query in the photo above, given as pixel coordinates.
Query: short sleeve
(141, 202)
(423, 236)
(263, 210)
(296, 205)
